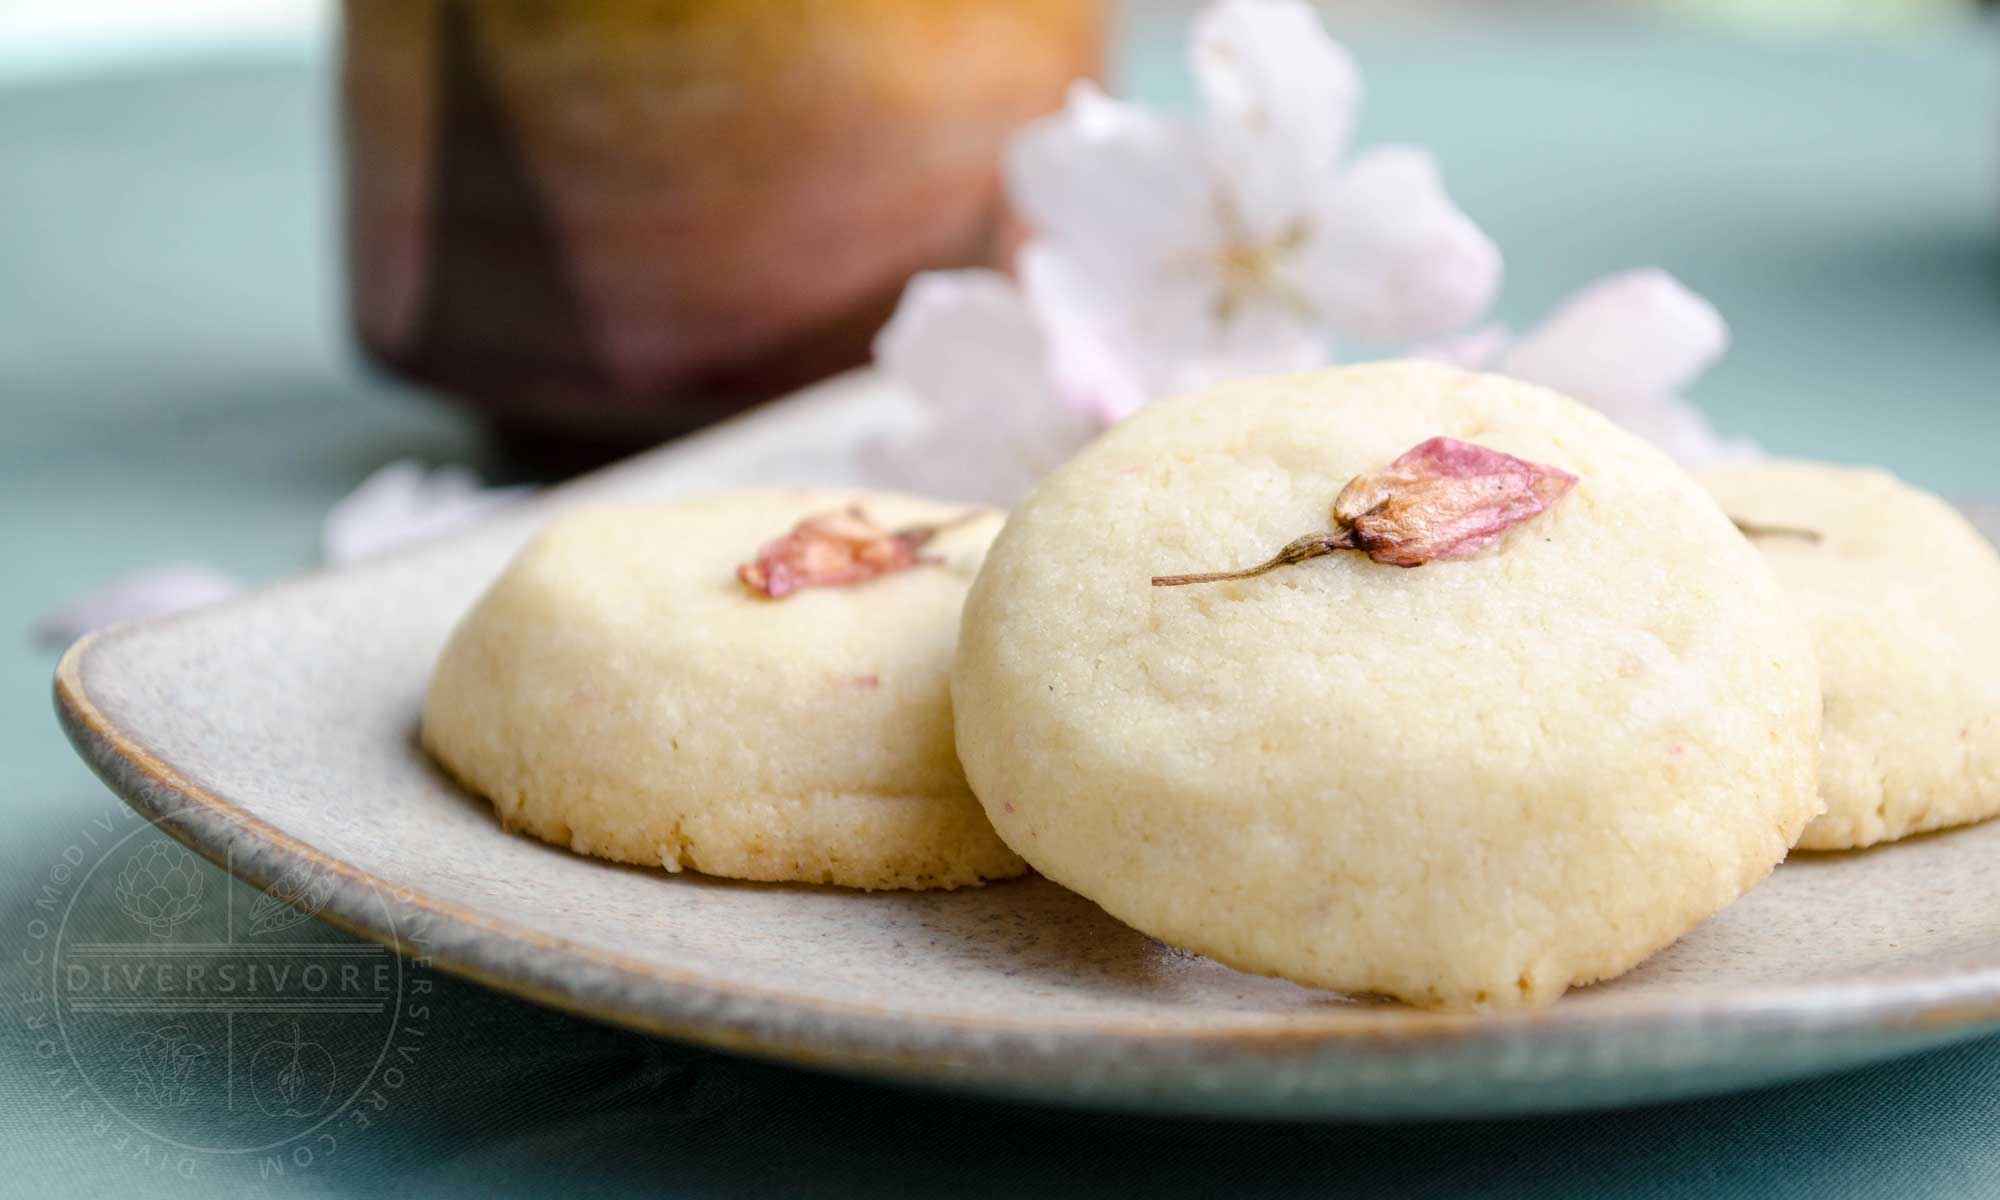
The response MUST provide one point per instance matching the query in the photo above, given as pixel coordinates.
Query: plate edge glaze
(1009, 1058)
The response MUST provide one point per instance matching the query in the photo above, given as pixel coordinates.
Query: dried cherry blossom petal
(832, 550)
(1441, 499)
(1444, 499)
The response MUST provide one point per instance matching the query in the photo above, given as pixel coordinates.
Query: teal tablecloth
(174, 384)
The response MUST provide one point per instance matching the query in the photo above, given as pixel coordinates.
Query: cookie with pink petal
(1392, 679)
(751, 685)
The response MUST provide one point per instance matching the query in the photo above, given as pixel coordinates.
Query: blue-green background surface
(175, 384)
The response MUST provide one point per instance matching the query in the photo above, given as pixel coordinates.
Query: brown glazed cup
(604, 222)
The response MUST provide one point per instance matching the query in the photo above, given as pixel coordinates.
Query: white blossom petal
(1474, 350)
(1390, 259)
(1281, 97)
(148, 593)
(403, 502)
(967, 345)
(1260, 339)
(1682, 430)
(1120, 189)
(1622, 340)
(1111, 358)
(1627, 345)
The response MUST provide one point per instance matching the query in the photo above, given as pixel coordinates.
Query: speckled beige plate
(275, 734)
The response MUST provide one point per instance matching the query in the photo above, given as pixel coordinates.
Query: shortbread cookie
(1902, 598)
(1470, 783)
(621, 691)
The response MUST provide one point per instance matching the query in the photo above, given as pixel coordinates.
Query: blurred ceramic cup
(604, 222)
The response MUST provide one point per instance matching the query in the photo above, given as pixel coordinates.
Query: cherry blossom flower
(1242, 243)
(1627, 344)
(1169, 254)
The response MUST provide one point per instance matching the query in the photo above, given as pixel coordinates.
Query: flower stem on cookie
(1443, 499)
(1753, 529)
(837, 549)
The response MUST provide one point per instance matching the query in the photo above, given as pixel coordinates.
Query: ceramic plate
(275, 735)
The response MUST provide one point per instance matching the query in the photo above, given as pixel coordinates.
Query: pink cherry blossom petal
(1444, 499)
(1390, 259)
(836, 549)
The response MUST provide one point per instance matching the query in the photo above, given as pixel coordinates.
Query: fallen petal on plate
(147, 593)
(403, 502)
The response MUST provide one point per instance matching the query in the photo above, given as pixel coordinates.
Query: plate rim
(871, 1037)
(996, 1050)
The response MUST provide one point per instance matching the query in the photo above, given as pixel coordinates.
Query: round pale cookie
(1465, 784)
(620, 692)
(1902, 598)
